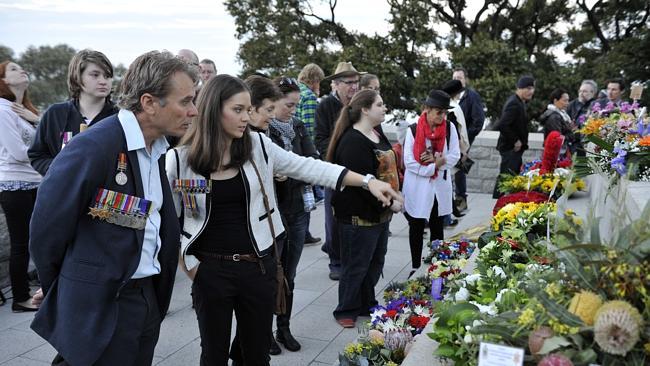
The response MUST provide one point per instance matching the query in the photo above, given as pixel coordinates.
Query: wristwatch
(367, 180)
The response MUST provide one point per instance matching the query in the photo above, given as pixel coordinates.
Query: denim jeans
(363, 250)
(332, 243)
(297, 225)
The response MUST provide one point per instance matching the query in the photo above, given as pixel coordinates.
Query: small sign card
(496, 355)
(635, 91)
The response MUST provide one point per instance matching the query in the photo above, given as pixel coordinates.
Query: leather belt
(234, 257)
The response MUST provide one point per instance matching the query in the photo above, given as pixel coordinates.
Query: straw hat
(344, 69)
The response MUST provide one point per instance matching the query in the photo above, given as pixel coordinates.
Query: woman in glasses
(18, 180)
(295, 197)
(431, 150)
(362, 221)
(223, 175)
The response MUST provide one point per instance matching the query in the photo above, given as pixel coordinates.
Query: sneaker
(309, 241)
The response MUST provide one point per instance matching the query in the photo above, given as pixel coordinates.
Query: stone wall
(482, 176)
(4, 252)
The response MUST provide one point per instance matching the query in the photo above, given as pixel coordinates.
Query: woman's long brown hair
(349, 115)
(6, 93)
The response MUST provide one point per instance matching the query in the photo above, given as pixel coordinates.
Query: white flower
(503, 291)
(462, 294)
(471, 279)
(468, 338)
(498, 271)
(562, 172)
(485, 309)
(377, 315)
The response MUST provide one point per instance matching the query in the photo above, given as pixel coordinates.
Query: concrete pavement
(312, 323)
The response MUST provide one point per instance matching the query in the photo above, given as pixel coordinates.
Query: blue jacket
(83, 262)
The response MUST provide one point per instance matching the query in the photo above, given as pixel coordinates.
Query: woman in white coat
(431, 150)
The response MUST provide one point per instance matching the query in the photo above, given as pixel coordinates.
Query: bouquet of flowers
(445, 250)
(621, 135)
(528, 215)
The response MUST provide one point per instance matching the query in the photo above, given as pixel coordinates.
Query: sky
(124, 29)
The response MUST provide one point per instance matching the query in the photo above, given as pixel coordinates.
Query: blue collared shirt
(150, 174)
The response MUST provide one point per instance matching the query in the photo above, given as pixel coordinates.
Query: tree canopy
(558, 42)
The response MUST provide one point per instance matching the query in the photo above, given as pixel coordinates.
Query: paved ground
(312, 323)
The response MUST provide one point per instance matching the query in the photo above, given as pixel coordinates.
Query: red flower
(523, 196)
(418, 322)
(391, 314)
(552, 147)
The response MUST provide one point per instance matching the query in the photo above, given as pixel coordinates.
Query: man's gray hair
(151, 73)
(591, 83)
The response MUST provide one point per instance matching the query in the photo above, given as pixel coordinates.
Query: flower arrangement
(522, 213)
(555, 182)
(622, 143)
(446, 250)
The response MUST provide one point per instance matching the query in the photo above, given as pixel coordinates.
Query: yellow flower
(547, 185)
(647, 348)
(580, 185)
(592, 126)
(553, 290)
(526, 318)
(585, 304)
(562, 329)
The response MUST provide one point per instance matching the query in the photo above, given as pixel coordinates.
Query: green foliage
(6, 53)
(48, 67)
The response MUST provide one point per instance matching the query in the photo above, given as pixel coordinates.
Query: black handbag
(465, 165)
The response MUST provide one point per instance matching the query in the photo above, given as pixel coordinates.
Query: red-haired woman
(18, 180)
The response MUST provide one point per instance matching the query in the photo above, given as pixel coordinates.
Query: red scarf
(423, 133)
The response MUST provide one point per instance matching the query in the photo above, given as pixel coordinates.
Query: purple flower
(581, 120)
(624, 124)
(609, 107)
(625, 107)
(635, 105)
(618, 163)
(596, 107)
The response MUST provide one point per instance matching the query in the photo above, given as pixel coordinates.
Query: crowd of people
(218, 176)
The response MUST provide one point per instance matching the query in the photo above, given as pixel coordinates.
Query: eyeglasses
(288, 81)
(349, 82)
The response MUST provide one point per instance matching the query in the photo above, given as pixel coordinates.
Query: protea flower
(536, 338)
(617, 327)
(585, 304)
(397, 339)
(376, 335)
(555, 359)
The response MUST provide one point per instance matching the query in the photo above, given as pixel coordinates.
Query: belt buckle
(236, 257)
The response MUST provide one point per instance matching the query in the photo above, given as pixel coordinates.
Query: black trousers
(221, 287)
(137, 329)
(18, 207)
(511, 164)
(416, 232)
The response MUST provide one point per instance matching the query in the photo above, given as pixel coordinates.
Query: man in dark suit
(513, 125)
(104, 232)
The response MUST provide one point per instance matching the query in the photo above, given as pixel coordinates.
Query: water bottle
(309, 203)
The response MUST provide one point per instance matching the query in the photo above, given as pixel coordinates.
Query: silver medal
(121, 179)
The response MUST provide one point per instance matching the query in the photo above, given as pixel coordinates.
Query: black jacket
(326, 115)
(57, 119)
(576, 109)
(472, 108)
(553, 121)
(289, 192)
(513, 125)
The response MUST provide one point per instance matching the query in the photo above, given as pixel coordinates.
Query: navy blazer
(83, 262)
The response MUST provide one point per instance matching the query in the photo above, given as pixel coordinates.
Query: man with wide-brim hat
(345, 83)
(344, 69)
(431, 150)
